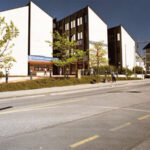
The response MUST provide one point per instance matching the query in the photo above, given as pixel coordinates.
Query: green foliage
(54, 82)
(97, 55)
(125, 71)
(138, 70)
(7, 33)
(65, 50)
(1, 74)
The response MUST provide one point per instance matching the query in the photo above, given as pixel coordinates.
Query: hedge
(53, 82)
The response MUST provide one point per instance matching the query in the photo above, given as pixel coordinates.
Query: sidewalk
(22, 93)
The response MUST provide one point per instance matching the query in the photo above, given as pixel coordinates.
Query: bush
(138, 70)
(54, 82)
(102, 70)
(125, 71)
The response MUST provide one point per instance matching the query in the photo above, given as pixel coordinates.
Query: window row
(79, 36)
(73, 23)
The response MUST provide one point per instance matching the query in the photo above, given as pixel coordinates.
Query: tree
(7, 33)
(138, 69)
(97, 55)
(65, 50)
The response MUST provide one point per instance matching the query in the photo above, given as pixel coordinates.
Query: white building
(97, 31)
(140, 61)
(121, 48)
(31, 52)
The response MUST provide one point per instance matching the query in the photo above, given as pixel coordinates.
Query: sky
(133, 15)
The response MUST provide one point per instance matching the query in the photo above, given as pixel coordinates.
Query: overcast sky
(134, 15)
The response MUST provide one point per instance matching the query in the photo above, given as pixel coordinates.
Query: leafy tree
(65, 50)
(138, 70)
(97, 55)
(7, 33)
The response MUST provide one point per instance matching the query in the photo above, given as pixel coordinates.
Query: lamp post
(105, 76)
(31, 75)
(67, 72)
(7, 76)
(50, 72)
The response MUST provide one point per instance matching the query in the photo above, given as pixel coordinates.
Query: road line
(40, 106)
(84, 141)
(144, 117)
(140, 110)
(120, 127)
(18, 98)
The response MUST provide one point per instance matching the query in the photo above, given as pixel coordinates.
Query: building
(147, 52)
(31, 51)
(139, 60)
(121, 48)
(85, 27)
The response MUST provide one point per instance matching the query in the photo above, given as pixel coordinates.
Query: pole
(6, 76)
(126, 61)
(31, 75)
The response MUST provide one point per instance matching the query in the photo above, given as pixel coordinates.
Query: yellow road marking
(84, 141)
(122, 126)
(40, 106)
(144, 117)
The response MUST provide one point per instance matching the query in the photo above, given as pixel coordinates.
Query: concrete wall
(41, 30)
(97, 30)
(128, 50)
(20, 51)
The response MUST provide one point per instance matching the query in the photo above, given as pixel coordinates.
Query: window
(67, 26)
(118, 36)
(73, 37)
(85, 18)
(73, 24)
(80, 36)
(79, 20)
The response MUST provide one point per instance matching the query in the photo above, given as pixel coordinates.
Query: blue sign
(98, 42)
(41, 58)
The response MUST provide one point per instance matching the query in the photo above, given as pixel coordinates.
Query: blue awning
(41, 58)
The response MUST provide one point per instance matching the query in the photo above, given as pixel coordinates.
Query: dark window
(85, 18)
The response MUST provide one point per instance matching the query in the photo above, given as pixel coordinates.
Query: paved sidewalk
(23, 93)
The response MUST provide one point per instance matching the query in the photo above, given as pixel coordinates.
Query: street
(112, 118)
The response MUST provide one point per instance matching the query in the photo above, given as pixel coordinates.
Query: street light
(6, 76)
(50, 72)
(31, 75)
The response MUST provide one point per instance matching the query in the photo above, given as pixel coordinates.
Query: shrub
(125, 71)
(138, 70)
(54, 82)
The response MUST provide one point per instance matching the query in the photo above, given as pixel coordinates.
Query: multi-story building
(31, 52)
(121, 48)
(85, 27)
(147, 52)
(139, 60)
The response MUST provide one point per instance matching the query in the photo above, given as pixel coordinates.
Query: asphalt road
(113, 118)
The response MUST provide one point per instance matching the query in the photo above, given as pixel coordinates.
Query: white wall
(97, 30)
(41, 30)
(20, 51)
(128, 50)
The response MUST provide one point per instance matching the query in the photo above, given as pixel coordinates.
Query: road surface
(114, 118)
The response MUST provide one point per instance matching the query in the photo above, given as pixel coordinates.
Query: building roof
(147, 46)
